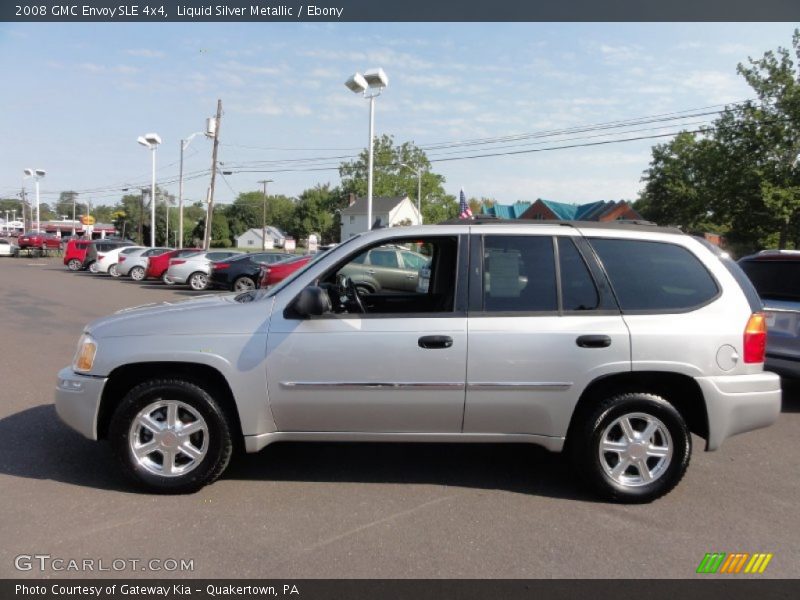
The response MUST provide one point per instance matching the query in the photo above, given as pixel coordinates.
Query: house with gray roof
(386, 212)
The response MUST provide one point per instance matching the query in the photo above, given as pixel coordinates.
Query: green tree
(741, 176)
(394, 173)
(64, 205)
(316, 212)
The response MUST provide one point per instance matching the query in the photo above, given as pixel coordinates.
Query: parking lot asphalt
(352, 510)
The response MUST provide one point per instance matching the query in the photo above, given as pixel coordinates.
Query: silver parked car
(133, 263)
(613, 342)
(194, 269)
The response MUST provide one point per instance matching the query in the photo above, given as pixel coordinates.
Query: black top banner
(265, 11)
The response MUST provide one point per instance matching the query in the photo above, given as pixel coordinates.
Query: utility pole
(24, 222)
(264, 215)
(74, 194)
(141, 216)
(207, 242)
(179, 244)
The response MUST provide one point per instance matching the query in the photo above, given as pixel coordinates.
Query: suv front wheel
(632, 447)
(171, 436)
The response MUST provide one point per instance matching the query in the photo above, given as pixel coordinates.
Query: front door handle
(435, 341)
(593, 341)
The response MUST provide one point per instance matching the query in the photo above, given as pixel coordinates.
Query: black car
(242, 272)
(101, 246)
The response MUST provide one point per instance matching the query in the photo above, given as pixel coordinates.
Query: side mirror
(312, 301)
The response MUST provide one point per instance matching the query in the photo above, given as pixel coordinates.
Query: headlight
(84, 356)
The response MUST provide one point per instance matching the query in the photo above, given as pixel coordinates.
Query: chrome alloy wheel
(168, 438)
(136, 273)
(244, 284)
(635, 449)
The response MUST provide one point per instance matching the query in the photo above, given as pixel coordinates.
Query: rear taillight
(220, 266)
(176, 262)
(122, 259)
(755, 338)
(101, 256)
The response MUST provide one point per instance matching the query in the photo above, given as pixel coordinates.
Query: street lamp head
(28, 172)
(376, 78)
(357, 84)
(40, 172)
(149, 140)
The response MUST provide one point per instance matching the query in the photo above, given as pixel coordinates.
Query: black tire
(198, 281)
(243, 284)
(165, 280)
(92, 267)
(219, 445)
(587, 434)
(74, 264)
(113, 270)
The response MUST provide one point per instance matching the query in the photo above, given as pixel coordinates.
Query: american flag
(465, 212)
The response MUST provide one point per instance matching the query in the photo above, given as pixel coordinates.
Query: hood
(213, 314)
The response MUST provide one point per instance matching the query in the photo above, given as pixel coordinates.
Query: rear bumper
(739, 403)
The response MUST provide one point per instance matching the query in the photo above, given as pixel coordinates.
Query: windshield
(282, 284)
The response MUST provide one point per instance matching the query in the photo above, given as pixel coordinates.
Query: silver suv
(611, 342)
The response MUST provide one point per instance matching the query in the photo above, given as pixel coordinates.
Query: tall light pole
(264, 182)
(151, 141)
(418, 170)
(370, 85)
(37, 174)
(184, 145)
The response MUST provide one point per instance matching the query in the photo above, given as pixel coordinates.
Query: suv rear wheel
(632, 447)
(171, 436)
(74, 264)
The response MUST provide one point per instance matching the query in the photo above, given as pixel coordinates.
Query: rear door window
(654, 276)
(519, 274)
(578, 291)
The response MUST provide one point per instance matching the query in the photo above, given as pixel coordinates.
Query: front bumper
(78, 401)
(739, 403)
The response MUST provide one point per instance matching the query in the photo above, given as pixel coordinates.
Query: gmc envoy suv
(611, 342)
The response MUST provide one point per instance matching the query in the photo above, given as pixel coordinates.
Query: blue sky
(76, 96)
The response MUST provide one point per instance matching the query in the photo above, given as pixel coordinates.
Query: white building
(389, 212)
(252, 238)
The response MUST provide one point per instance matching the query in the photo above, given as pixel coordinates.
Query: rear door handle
(593, 341)
(435, 341)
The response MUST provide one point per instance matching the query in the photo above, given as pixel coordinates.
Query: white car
(107, 262)
(8, 249)
(193, 270)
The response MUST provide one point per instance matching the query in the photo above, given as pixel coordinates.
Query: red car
(74, 253)
(281, 270)
(39, 239)
(157, 265)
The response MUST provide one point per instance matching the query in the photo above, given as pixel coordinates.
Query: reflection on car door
(368, 373)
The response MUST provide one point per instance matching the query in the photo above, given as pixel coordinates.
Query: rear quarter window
(654, 276)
